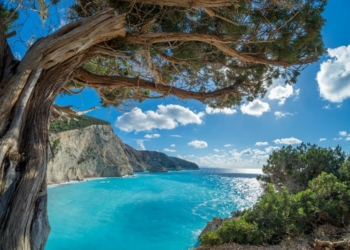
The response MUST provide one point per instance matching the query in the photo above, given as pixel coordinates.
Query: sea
(149, 211)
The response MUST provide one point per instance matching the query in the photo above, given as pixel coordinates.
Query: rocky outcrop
(95, 151)
(213, 226)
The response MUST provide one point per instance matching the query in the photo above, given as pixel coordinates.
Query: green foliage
(295, 167)
(241, 231)
(333, 199)
(83, 121)
(211, 239)
(9, 16)
(266, 31)
(271, 213)
(56, 143)
(344, 171)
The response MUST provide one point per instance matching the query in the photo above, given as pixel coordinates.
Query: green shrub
(210, 239)
(56, 143)
(271, 213)
(241, 232)
(293, 168)
(333, 199)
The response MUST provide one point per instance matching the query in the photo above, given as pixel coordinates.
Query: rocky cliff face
(155, 161)
(95, 151)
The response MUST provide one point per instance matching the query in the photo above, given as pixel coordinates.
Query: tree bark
(27, 93)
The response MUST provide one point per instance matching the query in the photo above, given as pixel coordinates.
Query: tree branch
(107, 52)
(278, 2)
(211, 39)
(188, 3)
(173, 59)
(96, 81)
(212, 13)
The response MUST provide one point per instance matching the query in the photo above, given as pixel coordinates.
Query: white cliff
(93, 151)
(83, 150)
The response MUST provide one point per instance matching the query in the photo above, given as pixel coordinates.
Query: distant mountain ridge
(85, 149)
(154, 161)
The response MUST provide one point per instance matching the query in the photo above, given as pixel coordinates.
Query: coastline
(53, 185)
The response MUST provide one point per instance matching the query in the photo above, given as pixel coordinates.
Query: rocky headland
(94, 150)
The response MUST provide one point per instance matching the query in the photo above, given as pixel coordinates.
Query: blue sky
(315, 110)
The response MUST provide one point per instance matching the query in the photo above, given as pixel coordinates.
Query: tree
(294, 167)
(218, 52)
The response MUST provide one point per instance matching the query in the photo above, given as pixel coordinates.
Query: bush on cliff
(280, 212)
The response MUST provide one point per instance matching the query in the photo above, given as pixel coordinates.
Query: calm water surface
(150, 211)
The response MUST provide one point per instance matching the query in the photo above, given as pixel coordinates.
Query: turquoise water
(150, 211)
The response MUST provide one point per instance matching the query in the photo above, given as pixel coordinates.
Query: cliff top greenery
(82, 122)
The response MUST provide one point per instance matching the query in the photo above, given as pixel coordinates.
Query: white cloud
(198, 144)
(172, 145)
(280, 114)
(216, 150)
(150, 136)
(323, 139)
(140, 145)
(326, 106)
(281, 93)
(165, 117)
(255, 108)
(247, 158)
(259, 152)
(247, 151)
(228, 145)
(288, 141)
(347, 138)
(169, 150)
(176, 136)
(337, 139)
(225, 111)
(334, 75)
(342, 133)
(260, 143)
(232, 160)
(271, 149)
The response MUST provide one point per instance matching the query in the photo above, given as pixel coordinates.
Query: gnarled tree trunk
(27, 91)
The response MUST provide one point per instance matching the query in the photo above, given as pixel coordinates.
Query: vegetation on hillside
(322, 197)
(82, 122)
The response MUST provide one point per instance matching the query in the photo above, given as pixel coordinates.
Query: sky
(315, 110)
